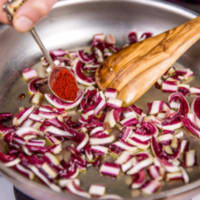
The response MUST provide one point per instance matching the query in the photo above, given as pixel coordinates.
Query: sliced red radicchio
(146, 35)
(85, 57)
(138, 179)
(184, 107)
(151, 186)
(53, 100)
(196, 107)
(188, 124)
(184, 89)
(41, 134)
(161, 154)
(132, 37)
(110, 169)
(57, 53)
(5, 116)
(80, 76)
(29, 73)
(36, 85)
(156, 107)
(147, 129)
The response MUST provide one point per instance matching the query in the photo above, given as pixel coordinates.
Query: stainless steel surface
(71, 24)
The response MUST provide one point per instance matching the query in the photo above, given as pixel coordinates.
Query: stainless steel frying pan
(72, 24)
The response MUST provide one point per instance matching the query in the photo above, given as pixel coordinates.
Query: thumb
(30, 13)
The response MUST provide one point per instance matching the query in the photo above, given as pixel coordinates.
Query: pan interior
(72, 25)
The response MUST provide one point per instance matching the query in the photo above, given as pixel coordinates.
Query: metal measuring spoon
(10, 8)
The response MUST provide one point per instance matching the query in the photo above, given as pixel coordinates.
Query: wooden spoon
(134, 69)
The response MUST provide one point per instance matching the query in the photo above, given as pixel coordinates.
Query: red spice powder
(64, 85)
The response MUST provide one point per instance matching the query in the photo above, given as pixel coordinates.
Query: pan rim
(12, 176)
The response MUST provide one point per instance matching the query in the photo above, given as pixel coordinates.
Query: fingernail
(23, 24)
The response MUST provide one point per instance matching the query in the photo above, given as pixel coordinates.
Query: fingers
(3, 17)
(30, 13)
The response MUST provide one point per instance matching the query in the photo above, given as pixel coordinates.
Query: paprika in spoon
(63, 84)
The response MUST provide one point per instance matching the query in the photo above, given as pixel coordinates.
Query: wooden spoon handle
(121, 68)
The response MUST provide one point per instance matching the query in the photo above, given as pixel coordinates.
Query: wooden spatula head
(134, 69)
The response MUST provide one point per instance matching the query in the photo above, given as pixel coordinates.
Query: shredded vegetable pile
(54, 141)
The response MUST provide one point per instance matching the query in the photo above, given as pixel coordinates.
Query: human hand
(28, 14)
